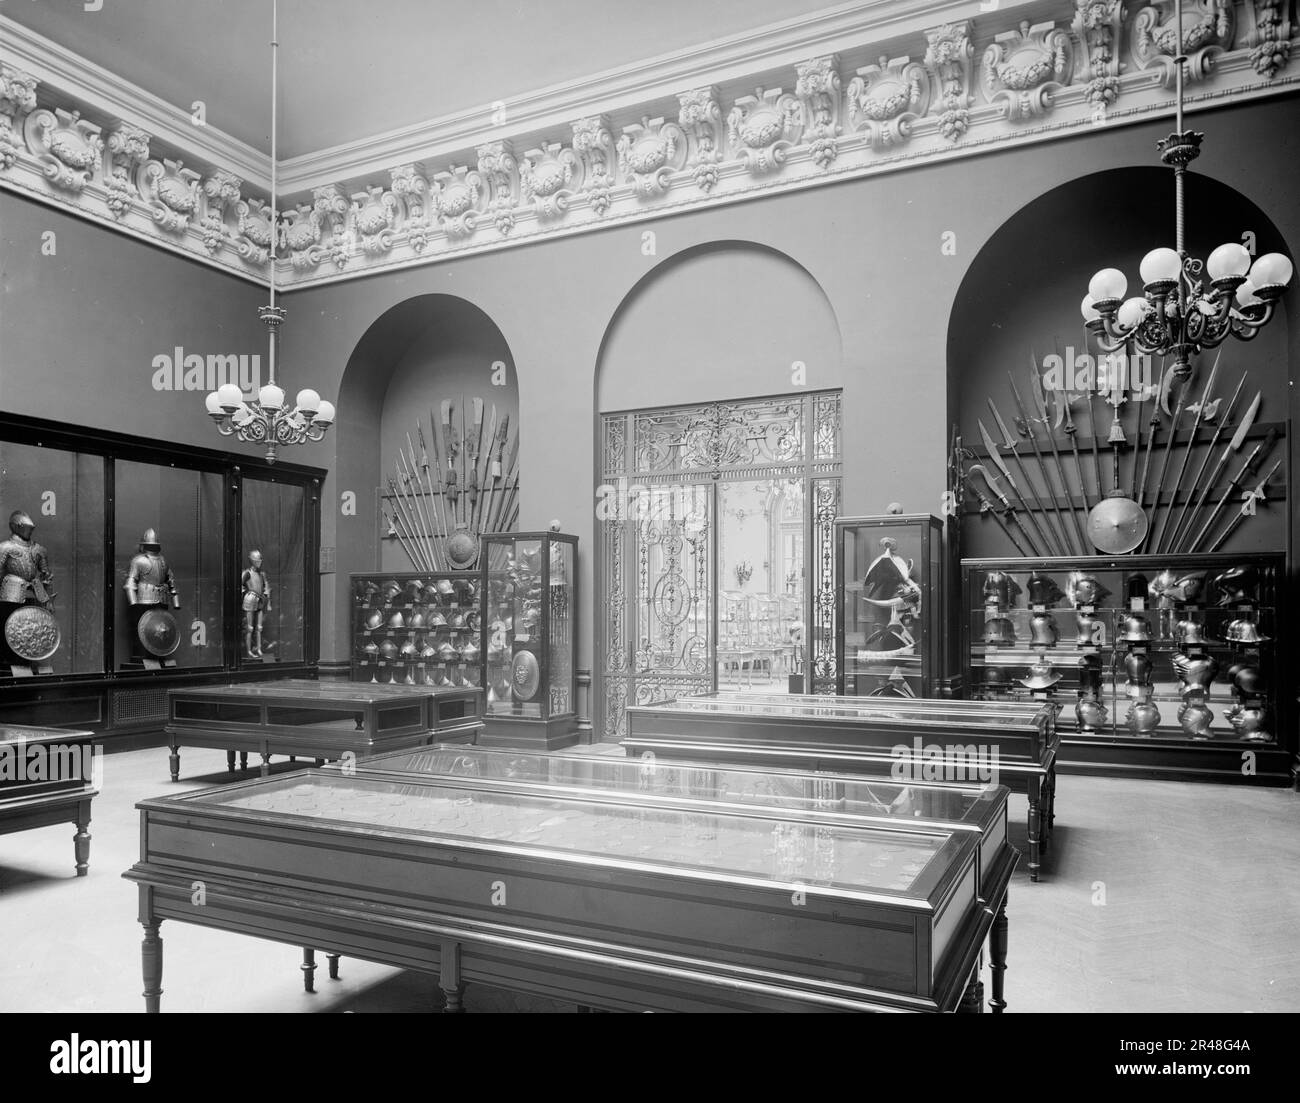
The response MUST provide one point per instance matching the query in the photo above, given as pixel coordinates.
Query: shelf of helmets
(417, 629)
(1183, 654)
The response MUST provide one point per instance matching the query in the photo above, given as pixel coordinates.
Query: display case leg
(1051, 799)
(1035, 818)
(151, 960)
(230, 762)
(243, 760)
(453, 988)
(174, 762)
(998, 957)
(266, 764)
(308, 968)
(972, 1000)
(81, 840)
(333, 960)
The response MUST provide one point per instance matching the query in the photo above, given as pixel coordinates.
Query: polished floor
(1158, 897)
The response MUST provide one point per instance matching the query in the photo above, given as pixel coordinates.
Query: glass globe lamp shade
(270, 397)
(1109, 283)
(1133, 311)
(1160, 266)
(308, 402)
(1089, 312)
(325, 414)
(230, 397)
(213, 403)
(1246, 294)
(1271, 270)
(1227, 261)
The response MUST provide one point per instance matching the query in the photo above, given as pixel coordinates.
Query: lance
(399, 509)
(1096, 455)
(1238, 439)
(427, 477)
(992, 450)
(988, 507)
(1157, 541)
(1247, 509)
(1008, 513)
(435, 479)
(1036, 385)
(1247, 470)
(1140, 491)
(1063, 404)
(473, 445)
(409, 519)
(405, 474)
(1164, 466)
(392, 531)
(1190, 510)
(449, 436)
(484, 469)
(1011, 442)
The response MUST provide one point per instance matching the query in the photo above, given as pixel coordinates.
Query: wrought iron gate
(657, 570)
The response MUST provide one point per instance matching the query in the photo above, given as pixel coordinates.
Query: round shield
(462, 549)
(158, 633)
(525, 675)
(32, 633)
(1117, 525)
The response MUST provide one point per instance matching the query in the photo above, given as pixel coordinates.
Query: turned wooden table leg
(81, 840)
(151, 960)
(308, 968)
(1051, 799)
(1035, 818)
(998, 957)
(243, 760)
(266, 764)
(449, 980)
(174, 761)
(230, 762)
(333, 960)
(971, 1000)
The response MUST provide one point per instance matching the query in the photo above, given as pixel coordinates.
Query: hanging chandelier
(1178, 315)
(267, 420)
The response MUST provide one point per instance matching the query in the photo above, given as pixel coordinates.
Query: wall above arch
(725, 320)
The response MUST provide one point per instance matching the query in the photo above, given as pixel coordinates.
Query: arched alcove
(1019, 302)
(721, 321)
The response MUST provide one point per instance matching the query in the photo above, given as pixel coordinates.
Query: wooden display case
(609, 903)
(48, 776)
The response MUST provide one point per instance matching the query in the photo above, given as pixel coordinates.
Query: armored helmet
(416, 623)
(1236, 585)
(1135, 628)
(149, 542)
(1043, 589)
(1191, 633)
(447, 653)
(21, 524)
(1136, 588)
(413, 588)
(1000, 588)
(999, 630)
(1189, 588)
(390, 592)
(1247, 679)
(1084, 589)
(396, 621)
(388, 650)
(445, 588)
(469, 652)
(457, 620)
(436, 619)
(1244, 630)
(371, 649)
(428, 652)
(408, 651)
(374, 620)
(1040, 676)
(995, 676)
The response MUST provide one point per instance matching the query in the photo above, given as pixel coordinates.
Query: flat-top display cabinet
(530, 639)
(49, 776)
(611, 903)
(418, 629)
(1162, 665)
(131, 565)
(889, 577)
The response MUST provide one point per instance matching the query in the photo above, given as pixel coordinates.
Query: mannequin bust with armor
(149, 581)
(256, 603)
(24, 571)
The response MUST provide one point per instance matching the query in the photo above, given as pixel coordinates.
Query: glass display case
(530, 639)
(889, 579)
(128, 568)
(1172, 655)
(418, 629)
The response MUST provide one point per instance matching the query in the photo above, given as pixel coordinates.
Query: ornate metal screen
(657, 504)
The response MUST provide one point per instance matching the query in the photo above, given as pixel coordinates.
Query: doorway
(717, 562)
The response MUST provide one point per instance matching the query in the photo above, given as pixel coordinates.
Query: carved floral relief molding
(952, 89)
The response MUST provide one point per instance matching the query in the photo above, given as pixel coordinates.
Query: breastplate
(20, 566)
(151, 577)
(255, 581)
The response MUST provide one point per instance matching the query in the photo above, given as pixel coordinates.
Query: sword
(1010, 442)
(1247, 469)
(1255, 495)
(1158, 540)
(988, 507)
(992, 450)
(1008, 513)
(1238, 439)
(1183, 517)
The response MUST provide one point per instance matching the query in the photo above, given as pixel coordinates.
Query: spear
(402, 493)
(1008, 513)
(426, 479)
(1010, 442)
(435, 479)
(1247, 509)
(449, 435)
(1158, 540)
(1164, 467)
(988, 507)
(1036, 383)
(412, 475)
(507, 490)
(1141, 491)
(1247, 469)
(392, 531)
(494, 469)
(1178, 534)
(473, 445)
(1063, 404)
(484, 464)
(399, 509)
(1238, 439)
(1096, 456)
(992, 450)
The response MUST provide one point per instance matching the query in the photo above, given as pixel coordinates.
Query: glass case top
(850, 859)
(855, 705)
(852, 709)
(301, 689)
(842, 794)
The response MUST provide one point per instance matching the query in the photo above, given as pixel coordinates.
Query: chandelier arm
(225, 428)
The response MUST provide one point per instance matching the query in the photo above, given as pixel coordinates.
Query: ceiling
(351, 69)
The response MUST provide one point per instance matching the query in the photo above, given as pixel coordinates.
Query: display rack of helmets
(1167, 651)
(417, 629)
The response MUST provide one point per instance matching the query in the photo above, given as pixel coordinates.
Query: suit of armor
(24, 571)
(256, 602)
(149, 581)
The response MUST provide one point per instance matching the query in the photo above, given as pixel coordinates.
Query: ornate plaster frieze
(814, 111)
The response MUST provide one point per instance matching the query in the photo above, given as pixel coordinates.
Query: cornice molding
(788, 107)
